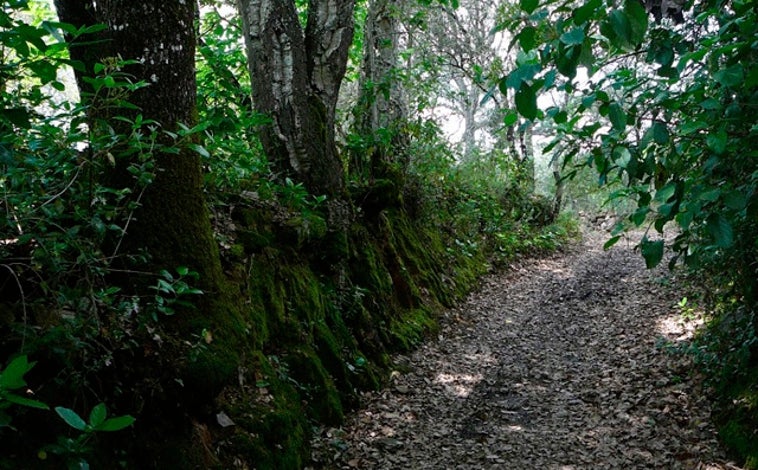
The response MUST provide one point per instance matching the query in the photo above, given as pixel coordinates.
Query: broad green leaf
(13, 376)
(589, 9)
(638, 20)
(17, 116)
(659, 133)
(617, 29)
(710, 104)
(44, 70)
(721, 230)
(652, 251)
(568, 59)
(524, 73)
(116, 424)
(529, 5)
(71, 418)
(573, 37)
(717, 142)
(735, 200)
(665, 193)
(639, 216)
(528, 38)
(617, 116)
(730, 77)
(526, 101)
(97, 415)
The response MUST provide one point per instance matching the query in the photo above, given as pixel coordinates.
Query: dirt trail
(558, 364)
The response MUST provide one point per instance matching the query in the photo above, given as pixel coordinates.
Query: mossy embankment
(321, 328)
(324, 310)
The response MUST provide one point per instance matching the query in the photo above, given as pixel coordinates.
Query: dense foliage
(666, 111)
(319, 308)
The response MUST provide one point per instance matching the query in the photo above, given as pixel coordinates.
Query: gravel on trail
(563, 363)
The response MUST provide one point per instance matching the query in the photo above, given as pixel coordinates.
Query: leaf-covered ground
(562, 363)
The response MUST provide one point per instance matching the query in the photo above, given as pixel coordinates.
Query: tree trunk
(172, 222)
(382, 108)
(295, 77)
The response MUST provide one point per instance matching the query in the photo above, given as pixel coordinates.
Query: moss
(411, 328)
(321, 398)
(271, 430)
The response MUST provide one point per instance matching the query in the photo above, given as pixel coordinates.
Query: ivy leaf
(652, 251)
(526, 101)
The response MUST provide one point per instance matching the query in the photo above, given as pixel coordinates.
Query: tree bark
(172, 223)
(382, 105)
(296, 76)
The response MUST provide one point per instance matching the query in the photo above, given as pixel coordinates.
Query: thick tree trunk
(172, 223)
(296, 76)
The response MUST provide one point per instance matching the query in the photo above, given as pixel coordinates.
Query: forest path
(556, 364)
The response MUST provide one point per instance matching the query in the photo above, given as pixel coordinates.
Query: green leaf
(617, 116)
(573, 37)
(717, 142)
(618, 29)
(17, 116)
(529, 5)
(510, 118)
(116, 424)
(97, 415)
(730, 77)
(659, 133)
(526, 101)
(665, 193)
(721, 230)
(71, 418)
(13, 375)
(638, 21)
(23, 401)
(612, 241)
(652, 251)
(200, 150)
(568, 59)
(528, 38)
(583, 13)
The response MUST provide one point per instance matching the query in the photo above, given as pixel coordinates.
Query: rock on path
(559, 364)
